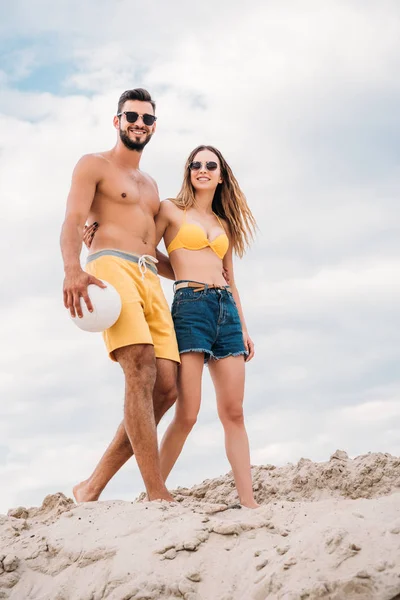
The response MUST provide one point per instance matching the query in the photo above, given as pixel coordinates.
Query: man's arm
(162, 221)
(83, 187)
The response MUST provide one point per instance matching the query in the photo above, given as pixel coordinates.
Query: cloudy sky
(302, 98)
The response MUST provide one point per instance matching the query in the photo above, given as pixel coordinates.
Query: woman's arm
(228, 267)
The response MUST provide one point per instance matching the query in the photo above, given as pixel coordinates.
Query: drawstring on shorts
(142, 263)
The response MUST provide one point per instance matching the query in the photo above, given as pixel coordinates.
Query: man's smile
(137, 131)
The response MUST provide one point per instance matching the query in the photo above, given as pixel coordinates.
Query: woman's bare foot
(162, 496)
(83, 492)
(251, 504)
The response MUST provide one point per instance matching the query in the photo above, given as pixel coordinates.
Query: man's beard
(131, 145)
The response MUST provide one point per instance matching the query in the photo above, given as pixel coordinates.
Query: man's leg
(165, 389)
(120, 449)
(139, 365)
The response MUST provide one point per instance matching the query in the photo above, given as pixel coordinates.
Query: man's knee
(169, 393)
(163, 398)
(165, 391)
(137, 362)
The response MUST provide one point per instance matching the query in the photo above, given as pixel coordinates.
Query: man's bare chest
(129, 189)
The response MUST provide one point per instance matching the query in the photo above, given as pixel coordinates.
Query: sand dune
(325, 530)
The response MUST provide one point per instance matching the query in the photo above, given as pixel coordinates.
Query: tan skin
(109, 187)
(228, 374)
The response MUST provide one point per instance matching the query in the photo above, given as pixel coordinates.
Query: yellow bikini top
(193, 237)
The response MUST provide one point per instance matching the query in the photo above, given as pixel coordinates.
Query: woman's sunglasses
(209, 165)
(132, 117)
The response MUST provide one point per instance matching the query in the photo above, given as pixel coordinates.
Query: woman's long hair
(229, 202)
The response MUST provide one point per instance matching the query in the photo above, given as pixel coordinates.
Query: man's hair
(136, 94)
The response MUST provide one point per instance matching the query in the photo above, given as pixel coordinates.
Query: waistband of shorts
(198, 286)
(135, 258)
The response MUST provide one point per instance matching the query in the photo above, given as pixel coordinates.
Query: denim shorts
(207, 321)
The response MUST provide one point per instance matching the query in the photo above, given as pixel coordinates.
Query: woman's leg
(186, 410)
(228, 378)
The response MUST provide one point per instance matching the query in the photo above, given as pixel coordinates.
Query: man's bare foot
(83, 492)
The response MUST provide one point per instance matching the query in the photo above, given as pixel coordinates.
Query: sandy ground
(325, 530)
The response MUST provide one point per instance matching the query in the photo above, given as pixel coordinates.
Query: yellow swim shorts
(145, 316)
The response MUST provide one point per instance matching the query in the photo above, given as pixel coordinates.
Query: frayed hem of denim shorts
(208, 355)
(241, 352)
(202, 350)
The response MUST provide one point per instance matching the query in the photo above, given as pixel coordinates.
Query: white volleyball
(106, 308)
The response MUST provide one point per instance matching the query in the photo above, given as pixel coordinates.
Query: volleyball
(106, 308)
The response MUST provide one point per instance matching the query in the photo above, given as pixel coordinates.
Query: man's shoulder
(149, 178)
(92, 162)
(92, 167)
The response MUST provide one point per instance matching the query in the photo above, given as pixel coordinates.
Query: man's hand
(225, 274)
(75, 286)
(249, 345)
(88, 233)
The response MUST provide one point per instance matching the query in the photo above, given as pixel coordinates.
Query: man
(109, 188)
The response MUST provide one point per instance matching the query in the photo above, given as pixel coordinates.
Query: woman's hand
(249, 345)
(88, 233)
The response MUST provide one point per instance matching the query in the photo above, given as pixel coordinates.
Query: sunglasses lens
(196, 165)
(148, 119)
(131, 117)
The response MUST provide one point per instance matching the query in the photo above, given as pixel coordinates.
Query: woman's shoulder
(169, 207)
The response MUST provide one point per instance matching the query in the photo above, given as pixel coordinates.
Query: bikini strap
(219, 221)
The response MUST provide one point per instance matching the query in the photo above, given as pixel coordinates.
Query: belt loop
(206, 288)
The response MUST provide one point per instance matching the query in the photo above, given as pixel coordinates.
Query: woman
(201, 228)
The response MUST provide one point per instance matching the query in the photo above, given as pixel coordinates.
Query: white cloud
(373, 411)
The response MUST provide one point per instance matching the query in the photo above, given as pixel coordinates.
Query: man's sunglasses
(209, 165)
(132, 117)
